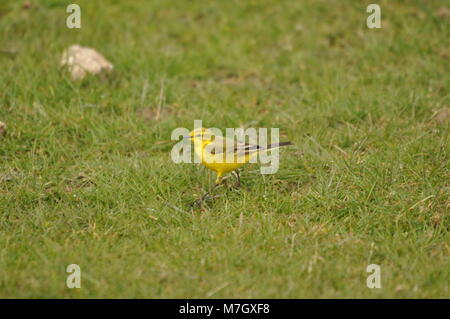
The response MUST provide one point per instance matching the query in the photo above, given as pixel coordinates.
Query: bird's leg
(238, 177)
(218, 179)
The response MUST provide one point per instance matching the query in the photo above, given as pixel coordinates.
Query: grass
(85, 180)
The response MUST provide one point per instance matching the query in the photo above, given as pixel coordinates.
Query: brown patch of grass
(443, 13)
(443, 115)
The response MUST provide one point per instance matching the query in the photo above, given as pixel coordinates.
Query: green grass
(84, 180)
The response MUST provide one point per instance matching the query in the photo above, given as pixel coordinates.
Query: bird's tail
(275, 145)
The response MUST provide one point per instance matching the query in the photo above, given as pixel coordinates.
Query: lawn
(86, 175)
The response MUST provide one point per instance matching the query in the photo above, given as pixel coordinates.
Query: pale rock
(82, 60)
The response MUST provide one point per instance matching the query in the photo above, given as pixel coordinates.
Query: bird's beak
(187, 137)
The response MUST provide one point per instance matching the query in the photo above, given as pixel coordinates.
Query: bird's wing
(222, 145)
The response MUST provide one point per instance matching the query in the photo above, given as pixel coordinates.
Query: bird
(214, 152)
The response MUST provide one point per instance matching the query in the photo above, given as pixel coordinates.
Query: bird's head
(200, 135)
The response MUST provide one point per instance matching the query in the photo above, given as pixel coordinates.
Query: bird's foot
(199, 202)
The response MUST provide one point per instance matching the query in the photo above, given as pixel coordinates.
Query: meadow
(86, 175)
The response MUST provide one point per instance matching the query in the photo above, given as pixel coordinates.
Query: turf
(86, 175)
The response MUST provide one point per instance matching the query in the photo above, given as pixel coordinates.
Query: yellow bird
(213, 152)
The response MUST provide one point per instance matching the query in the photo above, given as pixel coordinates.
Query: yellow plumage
(223, 155)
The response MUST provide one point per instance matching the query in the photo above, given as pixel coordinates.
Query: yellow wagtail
(212, 150)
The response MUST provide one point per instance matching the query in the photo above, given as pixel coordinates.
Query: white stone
(82, 60)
